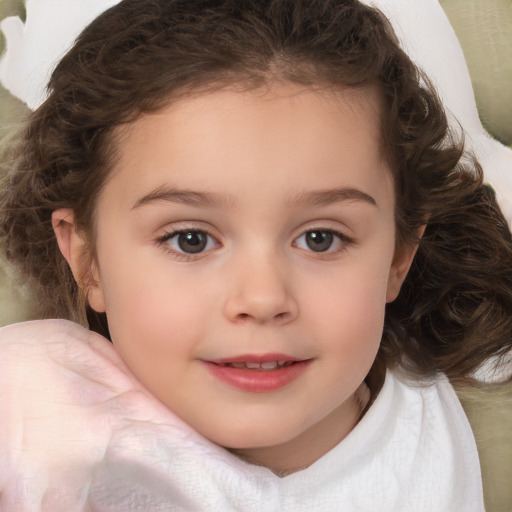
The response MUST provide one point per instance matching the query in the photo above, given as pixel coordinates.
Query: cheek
(348, 308)
(152, 312)
(154, 336)
(352, 339)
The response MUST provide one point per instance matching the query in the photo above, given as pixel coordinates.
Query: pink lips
(275, 371)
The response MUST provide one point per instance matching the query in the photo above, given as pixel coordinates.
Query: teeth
(271, 365)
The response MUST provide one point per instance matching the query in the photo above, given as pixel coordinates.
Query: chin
(259, 435)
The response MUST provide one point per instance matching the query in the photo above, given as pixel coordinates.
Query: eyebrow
(180, 196)
(330, 196)
(306, 199)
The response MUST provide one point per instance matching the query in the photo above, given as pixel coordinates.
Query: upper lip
(256, 358)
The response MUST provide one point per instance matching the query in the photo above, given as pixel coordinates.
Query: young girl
(260, 205)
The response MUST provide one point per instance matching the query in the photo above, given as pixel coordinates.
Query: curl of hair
(454, 310)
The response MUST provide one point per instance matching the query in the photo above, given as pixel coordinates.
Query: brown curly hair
(454, 310)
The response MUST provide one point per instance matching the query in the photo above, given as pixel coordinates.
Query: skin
(264, 159)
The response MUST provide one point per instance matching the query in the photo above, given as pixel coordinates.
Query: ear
(73, 246)
(400, 266)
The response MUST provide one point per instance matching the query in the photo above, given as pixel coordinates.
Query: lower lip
(258, 381)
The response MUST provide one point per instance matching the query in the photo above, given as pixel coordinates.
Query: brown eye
(319, 241)
(192, 242)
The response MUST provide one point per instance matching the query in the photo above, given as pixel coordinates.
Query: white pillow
(34, 48)
(430, 41)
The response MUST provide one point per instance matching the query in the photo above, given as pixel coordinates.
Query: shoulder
(433, 401)
(429, 434)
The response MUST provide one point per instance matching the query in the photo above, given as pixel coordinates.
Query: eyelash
(344, 241)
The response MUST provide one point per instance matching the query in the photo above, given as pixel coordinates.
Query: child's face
(252, 227)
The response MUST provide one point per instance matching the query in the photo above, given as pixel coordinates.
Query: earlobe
(73, 246)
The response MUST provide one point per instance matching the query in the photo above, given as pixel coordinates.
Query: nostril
(278, 316)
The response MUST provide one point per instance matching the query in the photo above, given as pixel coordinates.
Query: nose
(260, 292)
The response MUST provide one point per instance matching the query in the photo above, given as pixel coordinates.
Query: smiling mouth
(258, 373)
(267, 366)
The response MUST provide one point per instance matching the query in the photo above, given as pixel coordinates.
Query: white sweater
(79, 433)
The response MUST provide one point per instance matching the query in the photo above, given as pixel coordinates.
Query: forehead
(284, 135)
